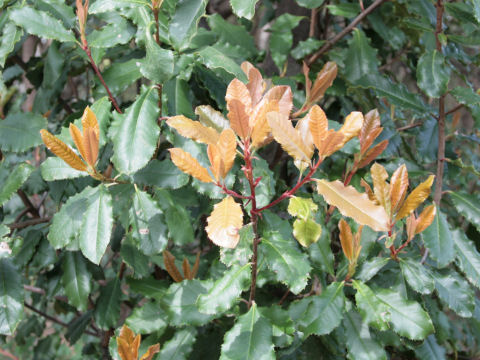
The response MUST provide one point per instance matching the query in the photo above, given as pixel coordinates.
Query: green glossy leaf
(430, 350)
(456, 293)
(465, 95)
(208, 116)
(371, 267)
(467, 205)
(179, 97)
(148, 225)
(134, 258)
(54, 168)
(476, 9)
(14, 181)
(433, 74)
(183, 25)
(427, 139)
(301, 207)
(180, 346)
(243, 251)
(282, 256)
(438, 239)
(11, 297)
(281, 38)
(107, 310)
(244, 8)
(306, 231)
(311, 4)
(109, 5)
(305, 48)
(147, 319)
(120, 75)
(468, 258)
(360, 344)
(250, 338)
(214, 59)
(136, 140)
(374, 312)
(348, 10)
(325, 311)
(180, 303)
(163, 174)
(97, 225)
(115, 33)
(282, 325)
(417, 276)
(158, 64)
(10, 36)
(76, 279)
(77, 326)
(41, 24)
(321, 253)
(225, 291)
(148, 287)
(360, 58)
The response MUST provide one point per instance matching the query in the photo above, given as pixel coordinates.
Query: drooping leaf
(193, 130)
(20, 132)
(439, 240)
(416, 197)
(468, 258)
(398, 186)
(14, 181)
(465, 204)
(189, 165)
(11, 297)
(250, 338)
(433, 74)
(353, 204)
(225, 222)
(76, 279)
(381, 188)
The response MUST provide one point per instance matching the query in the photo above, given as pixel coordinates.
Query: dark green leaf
(54, 168)
(430, 350)
(14, 181)
(77, 327)
(281, 39)
(119, 31)
(107, 311)
(465, 95)
(468, 258)
(215, 59)
(244, 8)
(305, 48)
(417, 276)
(321, 253)
(76, 279)
(372, 309)
(438, 239)
(311, 4)
(371, 267)
(467, 205)
(360, 58)
(345, 10)
(243, 251)
(147, 319)
(427, 139)
(433, 74)
(158, 64)
(180, 346)
(456, 293)
(120, 75)
(11, 297)
(134, 258)
(10, 36)
(163, 174)
(185, 21)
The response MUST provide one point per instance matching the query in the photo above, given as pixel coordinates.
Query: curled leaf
(128, 344)
(256, 86)
(60, 149)
(416, 197)
(370, 129)
(398, 186)
(151, 351)
(282, 94)
(352, 125)
(346, 239)
(210, 117)
(224, 223)
(189, 165)
(169, 261)
(381, 188)
(323, 81)
(193, 129)
(372, 154)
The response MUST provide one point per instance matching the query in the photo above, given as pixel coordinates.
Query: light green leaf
(10, 36)
(107, 310)
(438, 239)
(158, 64)
(215, 59)
(243, 251)
(41, 24)
(136, 140)
(306, 231)
(310, 4)
(306, 47)
(433, 74)
(348, 10)
(465, 95)
(185, 21)
(360, 58)
(97, 225)
(371, 267)
(76, 279)
(163, 174)
(54, 168)
(134, 258)
(374, 312)
(321, 253)
(281, 38)
(249, 339)
(208, 116)
(108, 5)
(456, 293)
(476, 9)
(11, 297)
(282, 256)
(180, 303)
(430, 350)
(467, 205)
(244, 8)
(325, 311)
(225, 291)
(118, 32)
(14, 181)
(147, 319)
(360, 344)
(180, 346)
(417, 276)
(468, 258)
(301, 207)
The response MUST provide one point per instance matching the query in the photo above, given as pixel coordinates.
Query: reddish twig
(7, 354)
(455, 109)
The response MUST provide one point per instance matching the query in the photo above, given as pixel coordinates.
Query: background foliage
(416, 61)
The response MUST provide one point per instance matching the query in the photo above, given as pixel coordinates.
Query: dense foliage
(171, 187)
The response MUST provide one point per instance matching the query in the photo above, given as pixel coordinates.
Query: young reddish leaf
(308, 82)
(169, 261)
(196, 265)
(77, 137)
(323, 81)
(411, 223)
(128, 344)
(425, 219)
(60, 149)
(239, 118)
(238, 91)
(193, 129)
(187, 273)
(261, 132)
(318, 124)
(398, 187)
(90, 142)
(346, 239)
(224, 223)
(416, 197)
(189, 165)
(372, 154)
(256, 86)
(303, 128)
(353, 204)
(333, 142)
(369, 191)
(151, 351)
(352, 125)
(282, 94)
(288, 137)
(370, 129)
(381, 188)
(227, 145)
(216, 162)
(89, 121)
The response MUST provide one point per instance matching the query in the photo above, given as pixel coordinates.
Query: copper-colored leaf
(373, 153)
(256, 85)
(196, 265)
(346, 239)
(370, 124)
(128, 344)
(353, 204)
(90, 142)
(77, 137)
(187, 273)
(370, 139)
(369, 191)
(411, 223)
(224, 223)
(151, 351)
(60, 149)
(308, 82)
(227, 145)
(239, 118)
(216, 162)
(89, 121)
(288, 137)
(303, 128)
(261, 130)
(352, 125)
(238, 91)
(425, 218)
(332, 142)
(193, 129)
(169, 261)
(282, 94)
(381, 188)
(323, 81)
(398, 186)
(416, 197)
(189, 165)
(318, 125)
